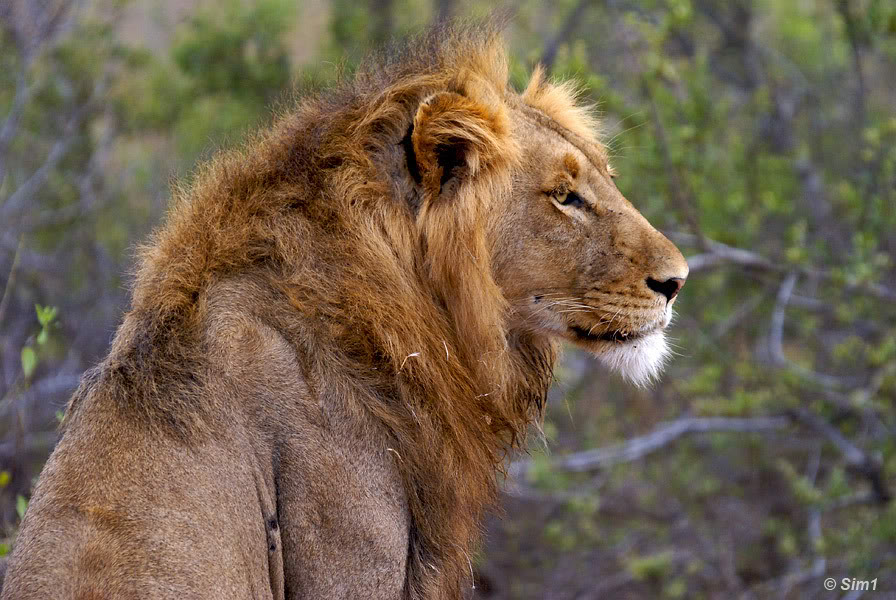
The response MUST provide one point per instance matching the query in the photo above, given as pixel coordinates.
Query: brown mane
(390, 301)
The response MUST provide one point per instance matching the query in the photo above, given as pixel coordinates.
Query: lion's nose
(668, 288)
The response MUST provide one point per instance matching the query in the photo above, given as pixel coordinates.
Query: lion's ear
(454, 137)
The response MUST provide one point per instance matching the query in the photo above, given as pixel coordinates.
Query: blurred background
(760, 135)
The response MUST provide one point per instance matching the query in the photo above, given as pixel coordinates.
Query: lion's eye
(569, 199)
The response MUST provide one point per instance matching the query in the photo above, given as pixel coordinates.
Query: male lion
(337, 336)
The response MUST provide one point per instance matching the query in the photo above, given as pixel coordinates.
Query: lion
(339, 334)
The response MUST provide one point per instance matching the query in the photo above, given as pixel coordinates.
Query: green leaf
(45, 314)
(29, 361)
(4, 549)
(4, 478)
(21, 506)
(42, 336)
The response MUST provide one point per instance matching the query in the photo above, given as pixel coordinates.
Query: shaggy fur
(336, 338)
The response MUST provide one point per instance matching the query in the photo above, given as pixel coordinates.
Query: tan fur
(335, 340)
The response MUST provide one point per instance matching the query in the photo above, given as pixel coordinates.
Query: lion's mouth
(617, 336)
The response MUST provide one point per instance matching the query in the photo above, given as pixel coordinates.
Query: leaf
(29, 361)
(45, 314)
(4, 479)
(42, 336)
(21, 506)
(4, 549)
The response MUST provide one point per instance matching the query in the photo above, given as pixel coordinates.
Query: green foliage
(653, 566)
(21, 506)
(235, 49)
(46, 316)
(29, 361)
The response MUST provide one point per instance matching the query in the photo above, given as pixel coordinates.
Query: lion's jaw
(640, 360)
(638, 355)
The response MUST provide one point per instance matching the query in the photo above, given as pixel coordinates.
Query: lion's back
(121, 513)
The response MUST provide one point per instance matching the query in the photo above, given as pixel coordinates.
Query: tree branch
(17, 201)
(855, 457)
(776, 335)
(717, 254)
(11, 279)
(663, 435)
(13, 118)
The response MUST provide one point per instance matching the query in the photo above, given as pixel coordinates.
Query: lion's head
(571, 256)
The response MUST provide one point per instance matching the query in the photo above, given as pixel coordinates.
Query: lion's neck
(452, 433)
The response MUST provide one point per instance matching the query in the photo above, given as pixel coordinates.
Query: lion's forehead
(533, 125)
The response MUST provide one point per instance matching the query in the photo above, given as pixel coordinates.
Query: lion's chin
(640, 360)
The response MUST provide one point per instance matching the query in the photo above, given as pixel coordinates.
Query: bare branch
(739, 314)
(776, 335)
(857, 499)
(717, 254)
(13, 117)
(776, 342)
(11, 280)
(855, 457)
(18, 200)
(663, 435)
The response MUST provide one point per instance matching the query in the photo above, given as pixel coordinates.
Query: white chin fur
(641, 361)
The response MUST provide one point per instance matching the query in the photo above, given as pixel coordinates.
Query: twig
(776, 335)
(16, 202)
(855, 457)
(857, 499)
(813, 525)
(679, 189)
(10, 281)
(852, 33)
(13, 117)
(738, 315)
(776, 342)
